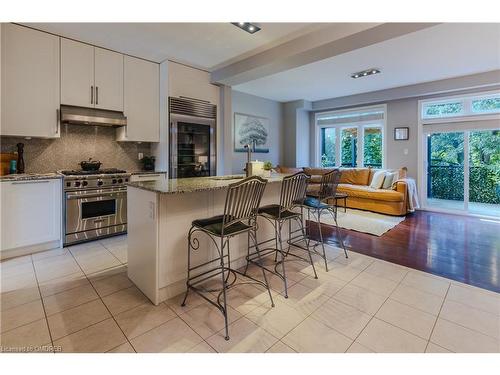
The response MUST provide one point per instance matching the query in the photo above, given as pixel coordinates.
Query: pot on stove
(90, 165)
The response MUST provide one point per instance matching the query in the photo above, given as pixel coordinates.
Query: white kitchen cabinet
(77, 73)
(30, 212)
(192, 83)
(30, 82)
(141, 177)
(141, 91)
(90, 76)
(108, 79)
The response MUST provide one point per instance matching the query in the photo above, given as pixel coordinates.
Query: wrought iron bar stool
(318, 204)
(240, 212)
(289, 209)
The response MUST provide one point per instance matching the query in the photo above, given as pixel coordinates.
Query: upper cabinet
(192, 83)
(30, 85)
(141, 91)
(77, 73)
(108, 79)
(91, 76)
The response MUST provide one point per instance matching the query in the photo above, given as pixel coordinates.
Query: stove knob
(126, 180)
(120, 180)
(99, 183)
(85, 183)
(77, 183)
(68, 184)
(114, 181)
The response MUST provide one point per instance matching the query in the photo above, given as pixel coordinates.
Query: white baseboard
(25, 250)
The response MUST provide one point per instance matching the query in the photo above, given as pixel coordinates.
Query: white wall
(254, 105)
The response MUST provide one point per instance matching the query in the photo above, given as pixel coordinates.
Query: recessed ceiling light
(364, 73)
(247, 26)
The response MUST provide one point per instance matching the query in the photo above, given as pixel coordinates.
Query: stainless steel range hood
(91, 116)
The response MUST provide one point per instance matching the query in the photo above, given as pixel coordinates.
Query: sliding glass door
(463, 171)
(484, 172)
(445, 170)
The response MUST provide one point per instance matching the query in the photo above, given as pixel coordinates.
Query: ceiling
(440, 52)
(203, 45)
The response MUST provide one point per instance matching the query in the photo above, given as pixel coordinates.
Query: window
(351, 138)
(372, 149)
(328, 147)
(349, 150)
(460, 107)
(443, 109)
(486, 105)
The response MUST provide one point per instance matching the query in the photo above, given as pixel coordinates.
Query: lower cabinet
(31, 213)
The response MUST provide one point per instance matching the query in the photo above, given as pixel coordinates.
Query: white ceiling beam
(310, 48)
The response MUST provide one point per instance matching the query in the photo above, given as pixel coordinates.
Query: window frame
(382, 123)
(467, 113)
(440, 102)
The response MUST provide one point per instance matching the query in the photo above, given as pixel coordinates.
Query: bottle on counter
(20, 158)
(13, 166)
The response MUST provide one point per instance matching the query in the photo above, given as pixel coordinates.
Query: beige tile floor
(79, 299)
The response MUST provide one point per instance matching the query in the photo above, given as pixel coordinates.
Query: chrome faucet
(249, 156)
(249, 152)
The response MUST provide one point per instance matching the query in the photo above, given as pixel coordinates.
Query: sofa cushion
(317, 171)
(316, 179)
(355, 176)
(367, 192)
(287, 170)
(378, 180)
(390, 177)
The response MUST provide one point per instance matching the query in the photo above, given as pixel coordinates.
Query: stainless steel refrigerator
(192, 138)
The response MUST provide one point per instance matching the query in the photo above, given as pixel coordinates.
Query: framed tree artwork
(401, 134)
(252, 130)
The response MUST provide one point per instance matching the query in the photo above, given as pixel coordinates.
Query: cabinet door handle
(91, 94)
(96, 95)
(58, 119)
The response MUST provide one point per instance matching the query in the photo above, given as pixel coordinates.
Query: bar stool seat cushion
(314, 202)
(273, 211)
(214, 225)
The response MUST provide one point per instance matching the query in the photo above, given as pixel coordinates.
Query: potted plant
(148, 163)
(267, 169)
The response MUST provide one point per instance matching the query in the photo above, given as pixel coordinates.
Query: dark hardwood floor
(462, 248)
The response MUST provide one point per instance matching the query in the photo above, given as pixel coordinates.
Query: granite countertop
(30, 176)
(195, 184)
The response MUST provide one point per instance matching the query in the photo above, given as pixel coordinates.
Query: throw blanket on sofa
(412, 193)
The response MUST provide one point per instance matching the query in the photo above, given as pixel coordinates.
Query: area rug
(363, 221)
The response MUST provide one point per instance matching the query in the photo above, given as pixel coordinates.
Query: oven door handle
(94, 195)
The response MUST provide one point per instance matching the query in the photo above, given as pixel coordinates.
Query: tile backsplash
(77, 143)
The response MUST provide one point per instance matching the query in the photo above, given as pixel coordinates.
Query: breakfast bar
(159, 217)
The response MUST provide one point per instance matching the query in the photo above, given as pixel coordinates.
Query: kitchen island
(159, 217)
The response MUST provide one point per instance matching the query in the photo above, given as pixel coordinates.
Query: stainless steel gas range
(95, 204)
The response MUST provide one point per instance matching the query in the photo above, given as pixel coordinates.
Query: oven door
(88, 210)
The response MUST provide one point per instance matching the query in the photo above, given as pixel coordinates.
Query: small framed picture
(401, 134)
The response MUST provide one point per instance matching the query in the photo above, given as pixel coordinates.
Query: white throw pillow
(389, 179)
(377, 180)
